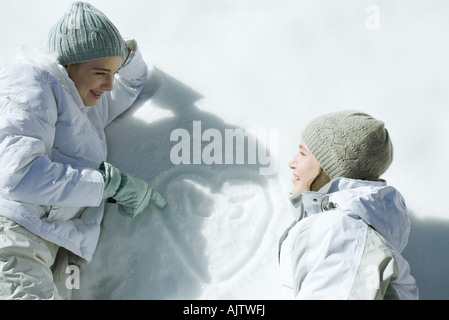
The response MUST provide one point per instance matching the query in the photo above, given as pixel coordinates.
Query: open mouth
(96, 94)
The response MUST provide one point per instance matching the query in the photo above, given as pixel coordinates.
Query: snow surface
(264, 65)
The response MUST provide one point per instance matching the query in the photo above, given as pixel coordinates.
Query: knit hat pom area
(83, 34)
(350, 144)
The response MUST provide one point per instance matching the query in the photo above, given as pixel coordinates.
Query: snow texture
(264, 65)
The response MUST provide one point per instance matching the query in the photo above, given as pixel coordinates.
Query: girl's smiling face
(306, 169)
(93, 78)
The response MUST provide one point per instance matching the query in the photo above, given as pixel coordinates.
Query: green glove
(132, 194)
(111, 177)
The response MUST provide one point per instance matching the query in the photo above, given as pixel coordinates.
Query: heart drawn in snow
(216, 218)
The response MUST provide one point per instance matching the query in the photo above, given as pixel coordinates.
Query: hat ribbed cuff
(85, 34)
(315, 141)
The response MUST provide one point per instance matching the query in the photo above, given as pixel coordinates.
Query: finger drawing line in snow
(216, 220)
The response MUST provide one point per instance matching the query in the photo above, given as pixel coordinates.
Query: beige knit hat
(350, 144)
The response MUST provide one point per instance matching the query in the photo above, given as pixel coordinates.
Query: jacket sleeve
(336, 257)
(28, 114)
(129, 83)
(378, 268)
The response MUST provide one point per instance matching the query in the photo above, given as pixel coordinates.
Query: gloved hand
(132, 194)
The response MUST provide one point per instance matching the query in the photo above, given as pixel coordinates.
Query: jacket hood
(49, 62)
(377, 204)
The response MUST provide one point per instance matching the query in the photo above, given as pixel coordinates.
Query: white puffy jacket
(346, 243)
(51, 146)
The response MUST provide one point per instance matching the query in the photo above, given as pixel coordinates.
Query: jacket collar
(380, 206)
(327, 198)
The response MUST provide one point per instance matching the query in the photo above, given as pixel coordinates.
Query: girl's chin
(295, 190)
(90, 102)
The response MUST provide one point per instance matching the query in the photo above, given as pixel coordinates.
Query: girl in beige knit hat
(350, 226)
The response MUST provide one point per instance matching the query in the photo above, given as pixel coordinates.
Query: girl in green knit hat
(54, 178)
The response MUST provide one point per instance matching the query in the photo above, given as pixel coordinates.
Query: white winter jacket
(346, 243)
(51, 146)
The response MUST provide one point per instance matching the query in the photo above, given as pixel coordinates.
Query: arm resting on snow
(128, 84)
(44, 182)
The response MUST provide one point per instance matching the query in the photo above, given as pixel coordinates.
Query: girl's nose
(108, 85)
(292, 163)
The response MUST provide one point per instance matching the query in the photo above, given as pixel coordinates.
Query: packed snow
(262, 69)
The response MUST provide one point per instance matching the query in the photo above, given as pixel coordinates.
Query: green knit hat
(350, 144)
(83, 34)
